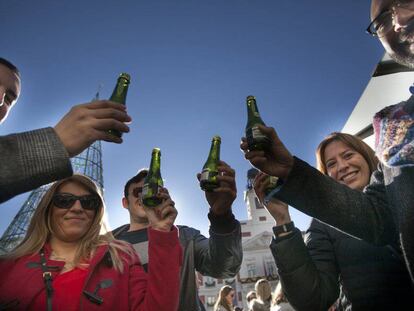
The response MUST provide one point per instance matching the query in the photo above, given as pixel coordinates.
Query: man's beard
(405, 60)
(404, 47)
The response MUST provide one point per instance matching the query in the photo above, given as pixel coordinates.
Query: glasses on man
(384, 22)
(137, 192)
(66, 200)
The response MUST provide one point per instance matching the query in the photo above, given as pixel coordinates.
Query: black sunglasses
(383, 23)
(137, 192)
(66, 201)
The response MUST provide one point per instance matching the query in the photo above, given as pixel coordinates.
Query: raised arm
(366, 215)
(31, 159)
(162, 289)
(308, 274)
(221, 255)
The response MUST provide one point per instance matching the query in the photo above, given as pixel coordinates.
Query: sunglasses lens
(90, 202)
(137, 192)
(63, 201)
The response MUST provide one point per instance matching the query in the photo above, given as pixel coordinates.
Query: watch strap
(277, 230)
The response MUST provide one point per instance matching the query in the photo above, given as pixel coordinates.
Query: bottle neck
(214, 154)
(155, 166)
(253, 115)
(120, 91)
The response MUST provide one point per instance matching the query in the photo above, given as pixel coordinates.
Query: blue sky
(192, 65)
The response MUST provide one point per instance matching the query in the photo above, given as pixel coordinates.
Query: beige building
(257, 262)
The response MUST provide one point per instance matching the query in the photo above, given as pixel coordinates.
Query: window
(262, 218)
(210, 282)
(270, 267)
(251, 270)
(246, 234)
(257, 203)
(211, 300)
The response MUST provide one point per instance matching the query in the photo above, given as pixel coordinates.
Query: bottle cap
(125, 76)
(216, 137)
(251, 97)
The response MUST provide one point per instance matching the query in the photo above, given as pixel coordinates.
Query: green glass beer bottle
(119, 96)
(208, 179)
(271, 185)
(153, 181)
(256, 140)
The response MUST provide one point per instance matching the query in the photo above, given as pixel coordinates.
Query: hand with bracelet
(278, 209)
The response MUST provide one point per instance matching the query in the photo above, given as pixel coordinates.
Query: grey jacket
(383, 214)
(220, 256)
(31, 159)
(372, 278)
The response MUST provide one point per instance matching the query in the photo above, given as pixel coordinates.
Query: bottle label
(206, 174)
(256, 140)
(254, 134)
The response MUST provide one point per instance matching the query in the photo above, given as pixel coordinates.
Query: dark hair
(137, 178)
(351, 141)
(9, 65)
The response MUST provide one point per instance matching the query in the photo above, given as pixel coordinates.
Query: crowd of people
(358, 252)
(260, 299)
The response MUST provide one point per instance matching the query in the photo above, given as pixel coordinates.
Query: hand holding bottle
(86, 123)
(276, 160)
(278, 209)
(221, 199)
(162, 216)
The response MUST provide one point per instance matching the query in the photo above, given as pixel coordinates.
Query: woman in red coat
(64, 263)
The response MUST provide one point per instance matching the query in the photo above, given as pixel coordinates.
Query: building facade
(258, 262)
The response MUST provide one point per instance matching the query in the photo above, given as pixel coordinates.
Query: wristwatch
(277, 230)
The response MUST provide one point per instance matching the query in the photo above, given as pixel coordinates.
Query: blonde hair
(40, 229)
(221, 301)
(251, 295)
(351, 141)
(263, 290)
